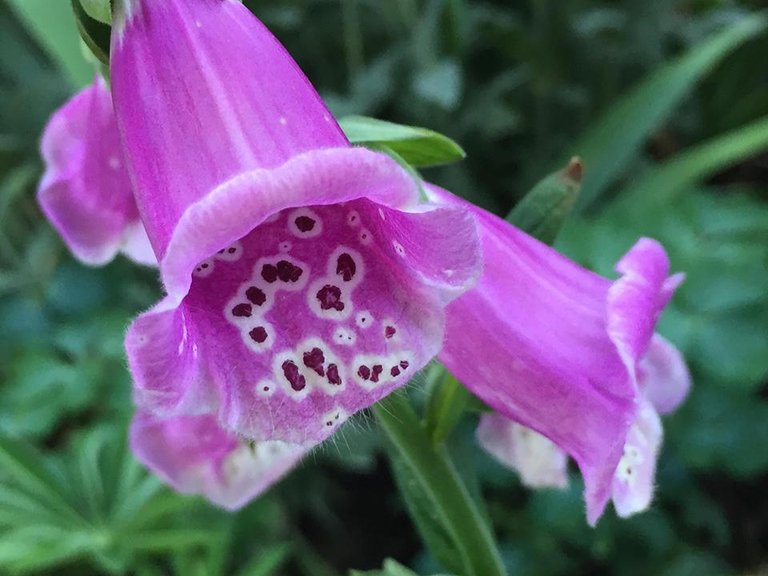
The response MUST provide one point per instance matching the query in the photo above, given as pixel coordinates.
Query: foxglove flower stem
(430, 467)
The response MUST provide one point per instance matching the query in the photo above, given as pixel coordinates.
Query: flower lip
(232, 210)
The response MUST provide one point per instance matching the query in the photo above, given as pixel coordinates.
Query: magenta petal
(663, 375)
(85, 192)
(203, 92)
(554, 346)
(540, 463)
(195, 456)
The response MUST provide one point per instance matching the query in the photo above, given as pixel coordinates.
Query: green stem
(433, 469)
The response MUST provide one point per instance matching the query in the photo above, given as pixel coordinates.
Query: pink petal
(664, 376)
(195, 456)
(540, 463)
(554, 346)
(85, 192)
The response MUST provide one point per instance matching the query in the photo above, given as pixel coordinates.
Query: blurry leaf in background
(391, 568)
(53, 24)
(615, 137)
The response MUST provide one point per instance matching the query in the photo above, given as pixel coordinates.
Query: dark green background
(522, 86)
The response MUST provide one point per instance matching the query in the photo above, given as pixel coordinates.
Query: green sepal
(99, 10)
(419, 147)
(94, 33)
(543, 211)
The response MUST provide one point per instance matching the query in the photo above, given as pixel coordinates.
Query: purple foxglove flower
(560, 349)
(195, 456)
(663, 380)
(85, 192)
(305, 278)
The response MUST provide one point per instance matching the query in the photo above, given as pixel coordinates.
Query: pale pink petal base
(540, 463)
(633, 481)
(195, 456)
(85, 192)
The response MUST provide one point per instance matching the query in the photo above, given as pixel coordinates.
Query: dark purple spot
(314, 359)
(256, 295)
(221, 251)
(364, 372)
(287, 272)
(305, 223)
(242, 310)
(377, 369)
(258, 334)
(269, 273)
(390, 331)
(346, 267)
(204, 266)
(294, 377)
(266, 388)
(232, 250)
(404, 364)
(333, 375)
(395, 371)
(329, 424)
(330, 298)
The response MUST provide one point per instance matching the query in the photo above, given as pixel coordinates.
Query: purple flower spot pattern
(298, 318)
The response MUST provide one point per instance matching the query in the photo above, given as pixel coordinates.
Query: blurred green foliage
(666, 100)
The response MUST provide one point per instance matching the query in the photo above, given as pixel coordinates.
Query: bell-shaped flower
(195, 456)
(561, 350)
(664, 382)
(305, 279)
(85, 192)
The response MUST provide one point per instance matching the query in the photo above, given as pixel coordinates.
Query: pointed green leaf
(543, 211)
(417, 146)
(608, 147)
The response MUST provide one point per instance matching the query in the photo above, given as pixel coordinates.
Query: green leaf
(100, 10)
(53, 24)
(543, 211)
(417, 146)
(445, 405)
(609, 146)
(28, 470)
(95, 33)
(441, 506)
(678, 174)
(390, 568)
(267, 562)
